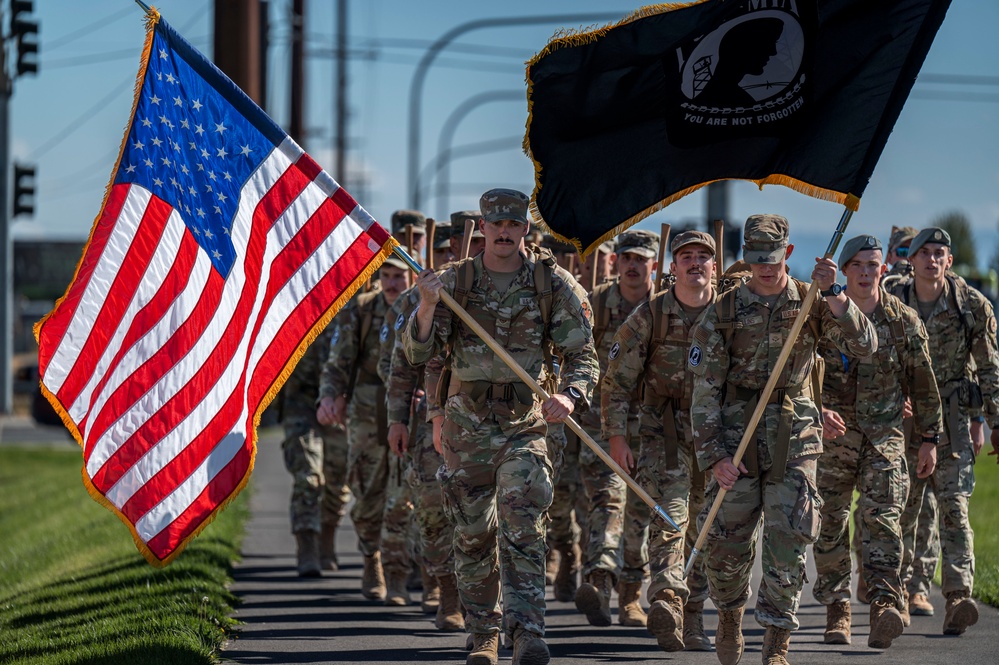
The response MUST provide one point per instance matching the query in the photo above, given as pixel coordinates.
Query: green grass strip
(73, 587)
(982, 509)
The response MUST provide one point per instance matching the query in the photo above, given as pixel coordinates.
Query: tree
(961, 238)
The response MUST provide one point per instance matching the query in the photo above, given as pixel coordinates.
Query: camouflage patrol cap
(606, 247)
(395, 262)
(504, 204)
(556, 246)
(442, 235)
(692, 238)
(400, 218)
(765, 238)
(900, 234)
(643, 243)
(855, 245)
(932, 234)
(458, 222)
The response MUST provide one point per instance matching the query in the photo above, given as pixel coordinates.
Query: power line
(59, 42)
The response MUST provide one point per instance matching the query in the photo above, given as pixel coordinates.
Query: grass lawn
(984, 511)
(74, 588)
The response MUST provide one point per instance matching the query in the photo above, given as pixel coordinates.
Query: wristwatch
(833, 291)
(573, 394)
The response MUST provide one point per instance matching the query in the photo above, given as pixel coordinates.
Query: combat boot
(775, 645)
(666, 620)
(551, 566)
(629, 607)
(694, 637)
(431, 597)
(485, 649)
(593, 598)
(373, 578)
(838, 622)
(863, 595)
(307, 542)
(920, 605)
(886, 624)
(565, 576)
(327, 548)
(449, 615)
(906, 619)
(961, 613)
(396, 592)
(729, 642)
(529, 649)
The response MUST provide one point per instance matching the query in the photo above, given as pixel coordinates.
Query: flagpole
(775, 372)
(541, 392)
(661, 274)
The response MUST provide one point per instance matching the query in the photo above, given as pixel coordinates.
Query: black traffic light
(24, 190)
(26, 33)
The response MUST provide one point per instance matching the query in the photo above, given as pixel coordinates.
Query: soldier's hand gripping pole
(775, 372)
(542, 393)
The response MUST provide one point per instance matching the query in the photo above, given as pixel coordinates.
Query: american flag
(221, 251)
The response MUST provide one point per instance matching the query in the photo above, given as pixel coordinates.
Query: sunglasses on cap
(902, 252)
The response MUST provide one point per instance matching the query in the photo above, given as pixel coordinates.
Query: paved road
(287, 620)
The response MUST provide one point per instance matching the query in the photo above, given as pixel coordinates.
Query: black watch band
(832, 291)
(573, 394)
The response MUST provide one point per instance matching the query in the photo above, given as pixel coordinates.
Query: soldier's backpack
(366, 310)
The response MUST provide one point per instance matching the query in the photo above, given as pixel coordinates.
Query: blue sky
(943, 155)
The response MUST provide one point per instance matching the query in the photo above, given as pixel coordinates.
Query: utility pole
(340, 121)
(296, 123)
(237, 44)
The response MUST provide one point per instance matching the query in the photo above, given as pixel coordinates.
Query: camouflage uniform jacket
(724, 370)
(869, 392)
(632, 371)
(300, 393)
(514, 320)
(964, 352)
(346, 348)
(401, 379)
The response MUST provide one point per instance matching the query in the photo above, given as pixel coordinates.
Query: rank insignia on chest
(616, 349)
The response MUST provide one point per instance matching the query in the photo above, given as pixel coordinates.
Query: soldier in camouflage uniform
(351, 391)
(316, 456)
(647, 366)
(863, 400)
(962, 338)
(497, 474)
(735, 346)
(612, 302)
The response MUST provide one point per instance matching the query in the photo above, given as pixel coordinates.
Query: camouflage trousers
(926, 549)
(607, 495)
(952, 483)
(852, 462)
(368, 465)
(316, 457)
(397, 538)
(436, 532)
(790, 510)
(635, 539)
(567, 514)
(497, 486)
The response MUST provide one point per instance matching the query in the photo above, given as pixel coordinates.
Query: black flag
(626, 119)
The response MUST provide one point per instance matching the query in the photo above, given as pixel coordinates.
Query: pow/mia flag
(628, 118)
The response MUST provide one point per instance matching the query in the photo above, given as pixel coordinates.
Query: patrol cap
(900, 234)
(929, 234)
(692, 238)
(400, 218)
(459, 218)
(765, 238)
(643, 243)
(500, 204)
(556, 246)
(395, 262)
(855, 245)
(442, 235)
(606, 247)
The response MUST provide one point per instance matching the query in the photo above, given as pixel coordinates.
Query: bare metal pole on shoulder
(542, 393)
(775, 373)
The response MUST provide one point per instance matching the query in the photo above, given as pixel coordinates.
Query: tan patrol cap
(643, 243)
(765, 238)
(395, 262)
(504, 204)
(692, 238)
(459, 218)
(442, 235)
(400, 218)
(899, 235)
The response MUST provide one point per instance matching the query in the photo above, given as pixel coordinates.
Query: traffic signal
(26, 33)
(24, 190)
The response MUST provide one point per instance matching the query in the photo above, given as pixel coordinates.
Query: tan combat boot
(373, 578)
(327, 548)
(449, 615)
(593, 598)
(838, 622)
(564, 585)
(529, 649)
(920, 605)
(961, 613)
(775, 645)
(307, 543)
(694, 637)
(666, 620)
(485, 649)
(551, 566)
(396, 593)
(886, 624)
(431, 597)
(728, 640)
(906, 619)
(629, 606)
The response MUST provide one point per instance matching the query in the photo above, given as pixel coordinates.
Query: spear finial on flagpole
(144, 6)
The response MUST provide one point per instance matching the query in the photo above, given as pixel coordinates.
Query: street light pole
(420, 75)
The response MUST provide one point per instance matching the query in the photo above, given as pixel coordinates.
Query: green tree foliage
(962, 239)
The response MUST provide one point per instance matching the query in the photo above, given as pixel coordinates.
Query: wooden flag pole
(775, 373)
(466, 240)
(409, 237)
(661, 270)
(719, 250)
(542, 393)
(431, 229)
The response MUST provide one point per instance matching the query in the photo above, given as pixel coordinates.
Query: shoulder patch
(587, 312)
(383, 335)
(992, 325)
(335, 337)
(616, 349)
(694, 356)
(400, 322)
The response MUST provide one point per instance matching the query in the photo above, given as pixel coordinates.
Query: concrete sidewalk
(288, 620)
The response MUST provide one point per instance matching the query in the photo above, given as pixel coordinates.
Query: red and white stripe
(161, 362)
